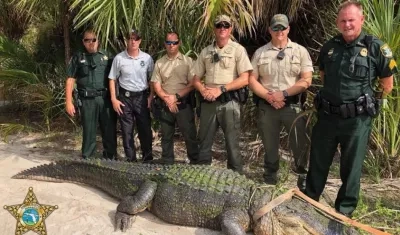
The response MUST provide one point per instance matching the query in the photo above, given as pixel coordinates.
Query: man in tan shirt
(172, 82)
(225, 67)
(282, 71)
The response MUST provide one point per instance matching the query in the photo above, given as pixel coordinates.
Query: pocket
(264, 66)
(295, 66)
(83, 69)
(361, 67)
(227, 61)
(329, 65)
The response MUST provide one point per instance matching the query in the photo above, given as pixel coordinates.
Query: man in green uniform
(282, 70)
(349, 64)
(226, 68)
(172, 82)
(90, 70)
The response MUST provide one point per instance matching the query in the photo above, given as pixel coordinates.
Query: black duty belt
(127, 93)
(346, 110)
(90, 93)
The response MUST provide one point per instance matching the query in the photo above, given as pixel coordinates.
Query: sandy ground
(82, 209)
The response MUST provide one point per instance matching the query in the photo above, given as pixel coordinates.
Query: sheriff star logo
(30, 215)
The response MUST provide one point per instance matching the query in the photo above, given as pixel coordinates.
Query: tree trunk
(65, 24)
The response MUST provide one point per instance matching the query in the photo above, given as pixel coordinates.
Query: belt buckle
(127, 94)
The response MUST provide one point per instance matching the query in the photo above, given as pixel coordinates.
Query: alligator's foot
(123, 221)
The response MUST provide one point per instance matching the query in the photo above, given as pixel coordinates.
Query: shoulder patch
(386, 51)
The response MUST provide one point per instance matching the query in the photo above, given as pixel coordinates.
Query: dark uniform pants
(185, 120)
(226, 115)
(93, 111)
(135, 109)
(352, 134)
(270, 122)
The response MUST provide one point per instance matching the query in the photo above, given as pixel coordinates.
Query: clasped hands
(276, 99)
(211, 93)
(172, 103)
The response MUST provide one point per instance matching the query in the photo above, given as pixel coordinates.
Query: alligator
(189, 195)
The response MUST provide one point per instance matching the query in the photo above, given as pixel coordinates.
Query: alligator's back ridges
(121, 178)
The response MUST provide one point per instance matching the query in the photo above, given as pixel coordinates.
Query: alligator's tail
(116, 182)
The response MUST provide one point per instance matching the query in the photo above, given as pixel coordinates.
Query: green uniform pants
(270, 122)
(98, 110)
(185, 120)
(226, 115)
(352, 134)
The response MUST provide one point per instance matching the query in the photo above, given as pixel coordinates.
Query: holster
(156, 107)
(372, 105)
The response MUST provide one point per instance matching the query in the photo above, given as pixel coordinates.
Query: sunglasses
(134, 38)
(90, 40)
(222, 25)
(279, 28)
(169, 43)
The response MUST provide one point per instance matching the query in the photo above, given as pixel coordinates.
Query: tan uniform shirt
(233, 62)
(173, 74)
(275, 74)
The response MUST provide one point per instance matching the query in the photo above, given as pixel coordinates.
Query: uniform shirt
(90, 69)
(275, 74)
(132, 73)
(346, 68)
(233, 61)
(173, 74)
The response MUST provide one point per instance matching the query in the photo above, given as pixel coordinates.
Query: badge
(127, 94)
(364, 52)
(105, 57)
(330, 52)
(386, 52)
(142, 63)
(30, 215)
(83, 61)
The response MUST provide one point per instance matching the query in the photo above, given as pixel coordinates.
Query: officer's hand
(277, 96)
(149, 99)
(206, 93)
(278, 104)
(173, 108)
(117, 106)
(170, 99)
(70, 108)
(269, 98)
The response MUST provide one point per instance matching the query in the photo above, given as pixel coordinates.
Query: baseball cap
(222, 18)
(279, 19)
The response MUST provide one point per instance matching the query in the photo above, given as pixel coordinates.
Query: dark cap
(279, 19)
(222, 18)
(133, 33)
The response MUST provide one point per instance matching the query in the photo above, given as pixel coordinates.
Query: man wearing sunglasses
(133, 69)
(282, 71)
(172, 83)
(90, 70)
(225, 67)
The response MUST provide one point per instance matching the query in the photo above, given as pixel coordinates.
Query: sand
(81, 209)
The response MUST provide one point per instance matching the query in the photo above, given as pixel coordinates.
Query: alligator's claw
(123, 221)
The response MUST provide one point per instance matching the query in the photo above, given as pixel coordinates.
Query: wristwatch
(223, 89)
(178, 97)
(285, 94)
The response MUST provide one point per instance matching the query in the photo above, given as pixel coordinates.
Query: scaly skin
(189, 195)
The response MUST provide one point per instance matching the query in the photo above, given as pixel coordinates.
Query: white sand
(82, 209)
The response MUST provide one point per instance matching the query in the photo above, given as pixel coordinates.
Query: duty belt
(346, 110)
(90, 93)
(127, 93)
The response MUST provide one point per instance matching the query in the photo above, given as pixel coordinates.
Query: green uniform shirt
(346, 68)
(90, 69)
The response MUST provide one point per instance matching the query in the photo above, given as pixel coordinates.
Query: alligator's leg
(131, 205)
(234, 222)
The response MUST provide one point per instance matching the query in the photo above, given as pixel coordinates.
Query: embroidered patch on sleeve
(386, 51)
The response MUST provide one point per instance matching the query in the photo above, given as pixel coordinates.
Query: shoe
(301, 183)
(348, 215)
